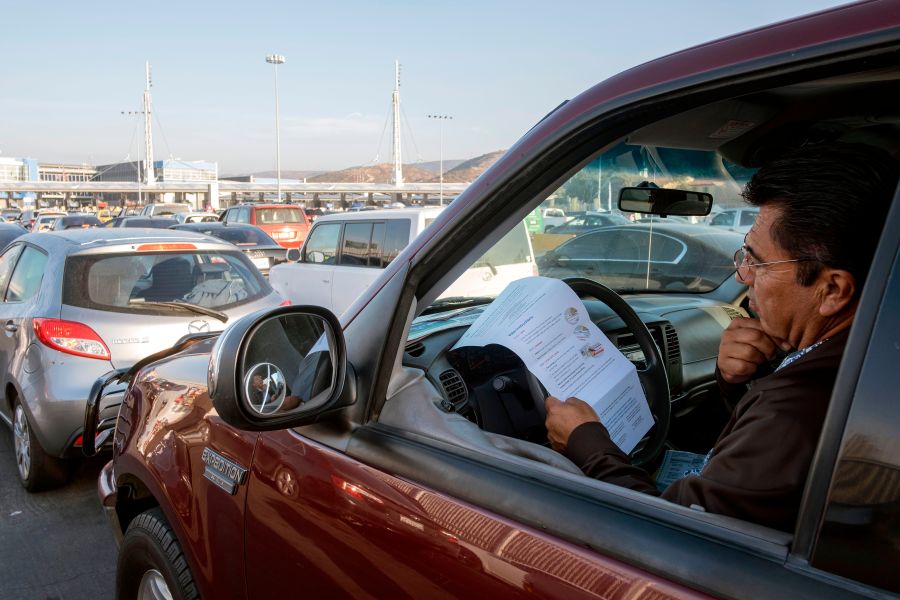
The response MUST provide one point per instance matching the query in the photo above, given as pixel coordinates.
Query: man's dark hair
(833, 200)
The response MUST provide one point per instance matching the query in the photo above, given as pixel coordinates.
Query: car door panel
(357, 531)
(622, 531)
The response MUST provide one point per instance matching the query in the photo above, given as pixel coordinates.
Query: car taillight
(285, 303)
(71, 337)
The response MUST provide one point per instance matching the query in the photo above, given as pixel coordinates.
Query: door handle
(11, 327)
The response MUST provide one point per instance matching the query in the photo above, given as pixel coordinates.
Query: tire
(37, 469)
(151, 563)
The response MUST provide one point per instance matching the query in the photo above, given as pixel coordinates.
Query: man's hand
(744, 346)
(564, 417)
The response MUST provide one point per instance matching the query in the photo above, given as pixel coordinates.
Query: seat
(170, 280)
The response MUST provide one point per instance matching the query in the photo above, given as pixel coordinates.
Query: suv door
(358, 263)
(313, 281)
(366, 248)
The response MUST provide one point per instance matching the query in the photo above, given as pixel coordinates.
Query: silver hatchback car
(76, 304)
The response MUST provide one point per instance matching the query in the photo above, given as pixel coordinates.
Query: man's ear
(837, 291)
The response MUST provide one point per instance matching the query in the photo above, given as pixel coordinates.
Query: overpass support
(212, 196)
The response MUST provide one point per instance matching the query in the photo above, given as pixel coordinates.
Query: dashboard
(490, 386)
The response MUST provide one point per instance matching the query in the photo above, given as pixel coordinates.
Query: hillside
(456, 171)
(469, 170)
(374, 174)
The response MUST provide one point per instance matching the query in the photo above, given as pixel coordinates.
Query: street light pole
(441, 119)
(275, 60)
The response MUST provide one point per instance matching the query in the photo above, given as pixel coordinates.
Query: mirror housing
(293, 254)
(663, 201)
(280, 368)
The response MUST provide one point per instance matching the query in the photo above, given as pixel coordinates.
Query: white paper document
(545, 323)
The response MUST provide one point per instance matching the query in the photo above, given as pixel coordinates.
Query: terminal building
(18, 169)
(166, 170)
(74, 200)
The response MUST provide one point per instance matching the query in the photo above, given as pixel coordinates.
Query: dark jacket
(759, 464)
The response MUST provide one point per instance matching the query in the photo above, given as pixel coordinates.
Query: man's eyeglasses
(744, 262)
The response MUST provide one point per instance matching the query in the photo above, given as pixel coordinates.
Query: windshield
(630, 253)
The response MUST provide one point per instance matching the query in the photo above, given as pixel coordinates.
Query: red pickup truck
(296, 454)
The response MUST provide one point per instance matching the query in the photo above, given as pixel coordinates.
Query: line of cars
(78, 303)
(79, 297)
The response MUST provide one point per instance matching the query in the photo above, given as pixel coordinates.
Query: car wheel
(151, 563)
(37, 469)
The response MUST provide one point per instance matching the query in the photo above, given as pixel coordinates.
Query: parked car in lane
(345, 252)
(139, 221)
(45, 219)
(287, 224)
(74, 222)
(9, 232)
(365, 456)
(647, 257)
(76, 303)
(554, 217)
(263, 251)
(196, 217)
(735, 219)
(163, 209)
(588, 221)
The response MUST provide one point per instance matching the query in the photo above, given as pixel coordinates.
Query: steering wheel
(653, 377)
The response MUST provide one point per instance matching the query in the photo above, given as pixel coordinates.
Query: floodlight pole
(441, 119)
(275, 60)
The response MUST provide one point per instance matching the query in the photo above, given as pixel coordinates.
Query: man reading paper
(805, 262)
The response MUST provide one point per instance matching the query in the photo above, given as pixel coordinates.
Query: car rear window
(277, 216)
(122, 282)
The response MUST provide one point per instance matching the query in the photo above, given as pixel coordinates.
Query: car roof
(102, 239)
(270, 205)
(368, 215)
(214, 225)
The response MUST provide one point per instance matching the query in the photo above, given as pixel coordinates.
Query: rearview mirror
(280, 369)
(663, 201)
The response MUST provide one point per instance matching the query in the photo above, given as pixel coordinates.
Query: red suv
(301, 454)
(286, 224)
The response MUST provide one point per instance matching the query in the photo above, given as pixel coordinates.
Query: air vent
(674, 347)
(415, 349)
(732, 313)
(454, 387)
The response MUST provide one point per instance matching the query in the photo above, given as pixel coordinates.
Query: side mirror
(281, 368)
(293, 254)
(315, 257)
(663, 201)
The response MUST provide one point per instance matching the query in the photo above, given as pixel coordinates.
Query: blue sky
(70, 68)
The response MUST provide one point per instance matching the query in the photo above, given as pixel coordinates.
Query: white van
(344, 253)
